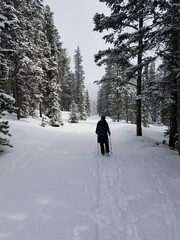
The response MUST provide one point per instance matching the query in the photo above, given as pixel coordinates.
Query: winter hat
(103, 117)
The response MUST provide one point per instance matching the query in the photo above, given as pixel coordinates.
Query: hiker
(102, 130)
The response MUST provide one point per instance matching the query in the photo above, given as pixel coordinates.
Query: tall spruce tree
(67, 90)
(6, 101)
(74, 113)
(25, 71)
(51, 86)
(80, 97)
(169, 36)
(132, 27)
(115, 95)
(88, 105)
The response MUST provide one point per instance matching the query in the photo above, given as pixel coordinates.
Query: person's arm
(97, 128)
(107, 127)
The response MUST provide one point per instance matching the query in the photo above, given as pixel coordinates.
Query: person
(102, 131)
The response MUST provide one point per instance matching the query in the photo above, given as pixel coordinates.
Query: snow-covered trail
(48, 183)
(139, 194)
(54, 185)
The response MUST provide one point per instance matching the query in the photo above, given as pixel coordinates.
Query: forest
(35, 72)
(141, 83)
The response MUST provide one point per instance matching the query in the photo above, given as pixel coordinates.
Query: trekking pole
(97, 146)
(110, 143)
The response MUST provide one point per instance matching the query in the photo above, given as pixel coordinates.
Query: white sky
(74, 20)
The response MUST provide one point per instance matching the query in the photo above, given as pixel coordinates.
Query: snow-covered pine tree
(170, 36)
(67, 94)
(132, 27)
(93, 104)
(51, 84)
(25, 73)
(103, 99)
(162, 86)
(54, 112)
(153, 94)
(145, 97)
(115, 94)
(6, 101)
(80, 97)
(38, 56)
(74, 113)
(88, 105)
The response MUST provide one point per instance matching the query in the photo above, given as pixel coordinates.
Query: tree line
(142, 78)
(35, 68)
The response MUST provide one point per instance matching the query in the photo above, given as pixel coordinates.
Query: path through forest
(54, 185)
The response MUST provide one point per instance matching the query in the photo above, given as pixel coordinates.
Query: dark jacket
(102, 138)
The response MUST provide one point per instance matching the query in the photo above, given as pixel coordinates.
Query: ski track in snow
(116, 215)
(166, 202)
(23, 160)
(121, 197)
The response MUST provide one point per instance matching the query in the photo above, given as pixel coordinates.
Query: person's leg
(102, 148)
(107, 146)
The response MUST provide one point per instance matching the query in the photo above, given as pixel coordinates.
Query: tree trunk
(40, 109)
(139, 80)
(175, 109)
(127, 107)
(15, 89)
(16, 96)
(178, 97)
(173, 125)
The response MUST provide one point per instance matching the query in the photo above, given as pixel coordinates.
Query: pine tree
(25, 71)
(169, 36)
(103, 101)
(6, 101)
(80, 97)
(88, 105)
(145, 98)
(115, 96)
(130, 36)
(67, 94)
(74, 113)
(162, 94)
(39, 62)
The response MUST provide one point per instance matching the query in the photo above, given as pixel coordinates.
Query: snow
(7, 96)
(54, 185)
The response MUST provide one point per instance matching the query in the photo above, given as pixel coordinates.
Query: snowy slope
(54, 185)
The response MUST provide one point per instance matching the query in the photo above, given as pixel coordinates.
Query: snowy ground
(54, 186)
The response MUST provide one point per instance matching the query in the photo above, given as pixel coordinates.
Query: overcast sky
(74, 21)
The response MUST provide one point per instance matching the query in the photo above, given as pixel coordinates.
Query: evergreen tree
(163, 94)
(145, 98)
(6, 101)
(74, 113)
(170, 38)
(103, 99)
(67, 91)
(25, 63)
(51, 88)
(80, 97)
(93, 107)
(130, 36)
(39, 62)
(115, 96)
(88, 105)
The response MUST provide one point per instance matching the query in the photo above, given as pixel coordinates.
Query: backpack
(102, 131)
